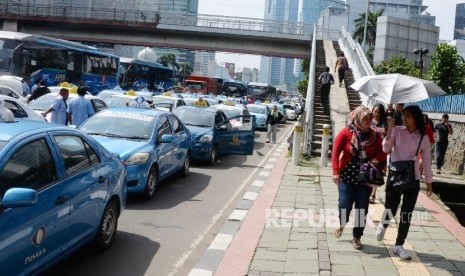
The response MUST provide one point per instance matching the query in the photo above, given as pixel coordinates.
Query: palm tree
(371, 27)
(185, 70)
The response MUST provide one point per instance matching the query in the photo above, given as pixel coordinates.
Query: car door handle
(61, 200)
(101, 179)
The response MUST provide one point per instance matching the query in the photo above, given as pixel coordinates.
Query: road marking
(268, 166)
(200, 272)
(264, 174)
(221, 242)
(250, 196)
(215, 218)
(238, 215)
(258, 183)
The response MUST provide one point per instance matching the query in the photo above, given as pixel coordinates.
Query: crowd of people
(382, 136)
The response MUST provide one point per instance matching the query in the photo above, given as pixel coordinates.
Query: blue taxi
(153, 144)
(261, 112)
(59, 190)
(213, 132)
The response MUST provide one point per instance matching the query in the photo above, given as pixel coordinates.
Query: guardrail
(358, 62)
(236, 23)
(14, 10)
(309, 104)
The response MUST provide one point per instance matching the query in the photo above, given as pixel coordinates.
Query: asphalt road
(168, 234)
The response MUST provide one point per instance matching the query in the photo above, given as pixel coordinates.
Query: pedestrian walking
(379, 123)
(58, 108)
(430, 133)
(326, 80)
(358, 142)
(272, 121)
(340, 68)
(80, 108)
(404, 143)
(444, 129)
(396, 113)
(39, 91)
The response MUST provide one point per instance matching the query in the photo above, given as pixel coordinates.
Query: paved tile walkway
(298, 238)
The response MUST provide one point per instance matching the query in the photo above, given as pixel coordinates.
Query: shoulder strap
(419, 144)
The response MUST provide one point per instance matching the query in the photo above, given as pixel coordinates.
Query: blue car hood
(198, 132)
(123, 148)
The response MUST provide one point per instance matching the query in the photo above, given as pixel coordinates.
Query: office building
(459, 28)
(273, 70)
(178, 6)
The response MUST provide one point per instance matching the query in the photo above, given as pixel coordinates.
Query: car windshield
(43, 102)
(190, 101)
(120, 125)
(195, 118)
(232, 112)
(257, 109)
(118, 101)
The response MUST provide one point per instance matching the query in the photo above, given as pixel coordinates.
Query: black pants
(341, 74)
(324, 94)
(408, 204)
(441, 148)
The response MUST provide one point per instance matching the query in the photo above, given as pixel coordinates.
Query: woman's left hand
(375, 162)
(429, 189)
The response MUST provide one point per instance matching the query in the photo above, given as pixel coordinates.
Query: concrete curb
(216, 252)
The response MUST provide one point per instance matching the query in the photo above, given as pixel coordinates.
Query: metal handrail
(309, 105)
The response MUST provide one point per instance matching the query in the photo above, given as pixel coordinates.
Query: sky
(444, 10)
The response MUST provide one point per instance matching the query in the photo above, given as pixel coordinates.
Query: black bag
(370, 175)
(401, 175)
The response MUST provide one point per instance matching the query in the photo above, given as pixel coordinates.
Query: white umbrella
(397, 88)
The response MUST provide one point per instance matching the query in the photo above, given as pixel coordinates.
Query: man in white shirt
(58, 108)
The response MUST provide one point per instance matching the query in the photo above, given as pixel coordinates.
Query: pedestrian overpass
(171, 30)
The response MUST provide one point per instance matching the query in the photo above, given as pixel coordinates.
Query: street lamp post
(365, 29)
(422, 52)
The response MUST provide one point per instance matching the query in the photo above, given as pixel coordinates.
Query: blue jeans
(348, 195)
(441, 148)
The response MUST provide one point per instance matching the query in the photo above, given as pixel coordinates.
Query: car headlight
(137, 159)
(206, 138)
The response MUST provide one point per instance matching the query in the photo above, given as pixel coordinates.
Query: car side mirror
(247, 120)
(19, 197)
(167, 138)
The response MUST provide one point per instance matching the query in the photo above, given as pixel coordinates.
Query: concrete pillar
(325, 146)
(296, 146)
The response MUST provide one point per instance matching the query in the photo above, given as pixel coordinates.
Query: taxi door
(164, 151)
(236, 141)
(33, 236)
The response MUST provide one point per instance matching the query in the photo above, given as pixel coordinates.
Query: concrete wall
(395, 36)
(455, 156)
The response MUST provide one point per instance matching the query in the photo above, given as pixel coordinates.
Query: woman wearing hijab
(356, 142)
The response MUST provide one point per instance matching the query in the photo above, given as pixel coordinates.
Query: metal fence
(452, 104)
(14, 10)
(236, 23)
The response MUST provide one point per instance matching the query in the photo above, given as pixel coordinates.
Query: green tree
(185, 69)
(447, 69)
(169, 61)
(371, 30)
(302, 85)
(397, 64)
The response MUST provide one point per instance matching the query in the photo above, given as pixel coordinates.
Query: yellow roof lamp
(229, 103)
(168, 94)
(71, 88)
(200, 103)
(131, 93)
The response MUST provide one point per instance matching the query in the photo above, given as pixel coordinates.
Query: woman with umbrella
(355, 143)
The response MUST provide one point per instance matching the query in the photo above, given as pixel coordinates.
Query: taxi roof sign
(131, 93)
(229, 102)
(200, 102)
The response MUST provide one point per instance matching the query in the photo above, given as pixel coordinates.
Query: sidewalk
(298, 237)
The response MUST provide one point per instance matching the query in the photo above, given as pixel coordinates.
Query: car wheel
(152, 183)
(108, 226)
(212, 156)
(187, 164)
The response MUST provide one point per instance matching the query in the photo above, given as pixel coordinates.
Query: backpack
(326, 78)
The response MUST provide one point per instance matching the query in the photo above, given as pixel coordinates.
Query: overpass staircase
(319, 117)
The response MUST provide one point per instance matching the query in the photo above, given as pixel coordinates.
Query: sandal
(338, 232)
(372, 199)
(357, 244)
